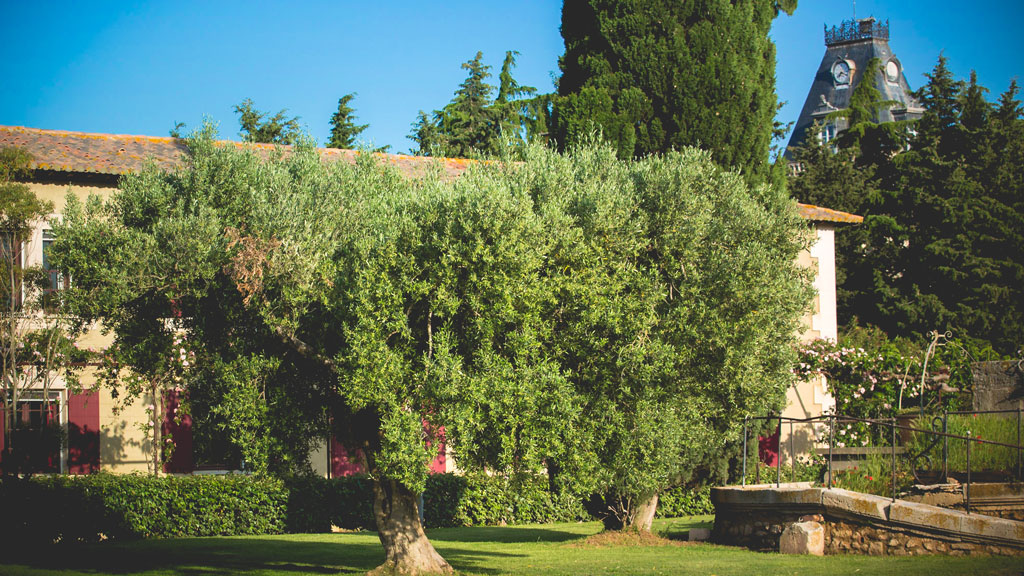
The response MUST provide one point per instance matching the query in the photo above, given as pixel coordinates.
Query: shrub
(350, 502)
(873, 475)
(481, 499)
(683, 501)
(87, 508)
(46, 509)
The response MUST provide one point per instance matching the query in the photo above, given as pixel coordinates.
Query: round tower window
(892, 71)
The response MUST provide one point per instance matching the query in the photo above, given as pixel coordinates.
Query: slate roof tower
(848, 49)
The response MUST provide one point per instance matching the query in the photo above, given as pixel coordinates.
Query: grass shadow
(331, 554)
(503, 534)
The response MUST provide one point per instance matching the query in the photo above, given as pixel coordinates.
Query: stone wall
(998, 385)
(845, 537)
(755, 517)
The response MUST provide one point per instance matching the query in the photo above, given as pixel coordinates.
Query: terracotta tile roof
(114, 154)
(819, 214)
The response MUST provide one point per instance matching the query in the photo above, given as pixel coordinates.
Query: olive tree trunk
(641, 515)
(629, 514)
(406, 547)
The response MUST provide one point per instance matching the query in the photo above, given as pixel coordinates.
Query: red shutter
(341, 463)
(84, 433)
(181, 460)
(437, 466)
(768, 448)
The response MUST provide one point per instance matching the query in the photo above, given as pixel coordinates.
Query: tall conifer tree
(653, 75)
(344, 129)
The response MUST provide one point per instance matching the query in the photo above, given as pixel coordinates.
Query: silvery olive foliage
(608, 321)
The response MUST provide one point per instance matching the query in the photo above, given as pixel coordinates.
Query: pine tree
(344, 130)
(512, 106)
(943, 245)
(943, 235)
(257, 126)
(473, 124)
(653, 75)
(470, 119)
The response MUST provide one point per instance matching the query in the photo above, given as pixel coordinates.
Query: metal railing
(833, 420)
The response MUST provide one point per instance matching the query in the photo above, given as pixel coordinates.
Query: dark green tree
(871, 141)
(344, 129)
(653, 75)
(474, 125)
(261, 127)
(830, 177)
(940, 244)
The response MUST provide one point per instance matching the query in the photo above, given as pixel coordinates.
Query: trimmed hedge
(480, 499)
(46, 509)
(88, 508)
(453, 500)
(682, 501)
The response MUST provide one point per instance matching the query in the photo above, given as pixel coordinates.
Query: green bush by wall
(87, 508)
(681, 501)
(46, 509)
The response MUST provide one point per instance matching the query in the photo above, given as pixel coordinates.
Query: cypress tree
(653, 75)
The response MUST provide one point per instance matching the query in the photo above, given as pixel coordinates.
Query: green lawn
(534, 549)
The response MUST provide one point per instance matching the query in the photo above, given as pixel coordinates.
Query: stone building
(848, 49)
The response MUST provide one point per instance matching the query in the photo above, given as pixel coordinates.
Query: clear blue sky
(137, 68)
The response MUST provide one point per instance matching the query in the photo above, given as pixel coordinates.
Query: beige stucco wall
(809, 397)
(124, 446)
(56, 193)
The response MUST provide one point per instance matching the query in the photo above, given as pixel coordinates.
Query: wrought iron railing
(832, 420)
(853, 30)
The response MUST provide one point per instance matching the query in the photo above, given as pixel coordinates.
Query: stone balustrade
(756, 516)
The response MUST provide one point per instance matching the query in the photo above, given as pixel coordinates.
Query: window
(828, 133)
(36, 434)
(10, 273)
(56, 280)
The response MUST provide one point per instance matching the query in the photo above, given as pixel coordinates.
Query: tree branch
(303, 349)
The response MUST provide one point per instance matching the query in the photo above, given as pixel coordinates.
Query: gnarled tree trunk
(629, 514)
(641, 515)
(406, 547)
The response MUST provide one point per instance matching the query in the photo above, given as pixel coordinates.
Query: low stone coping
(867, 507)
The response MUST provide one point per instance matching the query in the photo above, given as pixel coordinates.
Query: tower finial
(854, 9)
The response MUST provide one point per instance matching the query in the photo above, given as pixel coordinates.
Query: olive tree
(610, 321)
(677, 304)
(403, 305)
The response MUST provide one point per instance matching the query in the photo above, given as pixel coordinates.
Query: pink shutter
(439, 464)
(181, 460)
(3, 442)
(768, 448)
(84, 433)
(341, 463)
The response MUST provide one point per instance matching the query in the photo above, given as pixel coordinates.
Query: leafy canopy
(610, 320)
